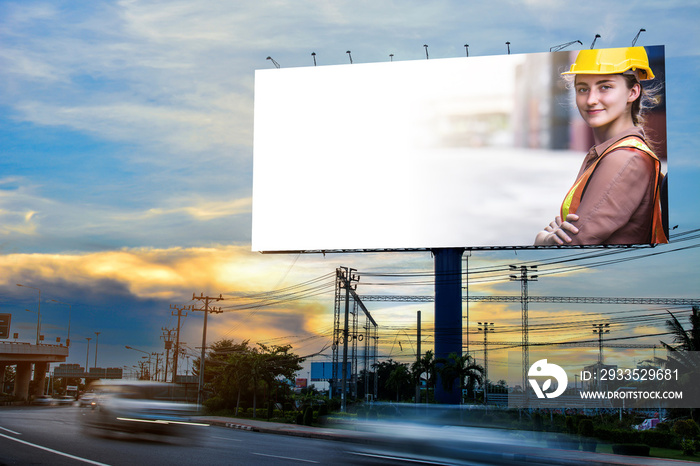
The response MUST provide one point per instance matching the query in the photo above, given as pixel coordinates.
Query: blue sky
(126, 135)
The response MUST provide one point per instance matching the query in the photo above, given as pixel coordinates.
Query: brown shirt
(617, 205)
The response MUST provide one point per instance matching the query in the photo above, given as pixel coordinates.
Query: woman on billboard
(615, 199)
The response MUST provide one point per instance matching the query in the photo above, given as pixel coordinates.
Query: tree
(233, 369)
(683, 357)
(270, 363)
(225, 370)
(460, 368)
(686, 340)
(426, 365)
(399, 378)
(383, 371)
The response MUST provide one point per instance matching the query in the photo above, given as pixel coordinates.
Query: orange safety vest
(575, 194)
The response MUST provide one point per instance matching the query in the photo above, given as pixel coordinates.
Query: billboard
(5, 320)
(473, 152)
(323, 371)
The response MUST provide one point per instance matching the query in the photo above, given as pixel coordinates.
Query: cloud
(206, 210)
(170, 274)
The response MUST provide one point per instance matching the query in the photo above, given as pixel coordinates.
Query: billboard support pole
(418, 356)
(448, 313)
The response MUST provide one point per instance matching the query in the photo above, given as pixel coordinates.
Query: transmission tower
(487, 327)
(345, 331)
(524, 279)
(600, 329)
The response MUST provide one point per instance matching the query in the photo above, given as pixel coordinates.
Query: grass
(654, 452)
(672, 454)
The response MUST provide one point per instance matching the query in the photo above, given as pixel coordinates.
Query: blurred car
(422, 435)
(87, 399)
(43, 400)
(65, 400)
(140, 408)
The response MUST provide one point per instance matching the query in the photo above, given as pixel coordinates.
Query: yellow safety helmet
(613, 61)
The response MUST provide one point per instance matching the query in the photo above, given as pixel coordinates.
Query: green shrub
(308, 418)
(689, 447)
(562, 442)
(618, 435)
(687, 429)
(585, 427)
(323, 410)
(569, 424)
(663, 427)
(588, 444)
(334, 404)
(215, 403)
(631, 449)
(657, 438)
(537, 423)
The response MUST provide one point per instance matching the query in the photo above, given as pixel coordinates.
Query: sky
(126, 158)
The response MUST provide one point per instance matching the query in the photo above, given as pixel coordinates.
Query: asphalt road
(34, 435)
(53, 436)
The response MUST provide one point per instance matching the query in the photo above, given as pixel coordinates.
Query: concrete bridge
(23, 356)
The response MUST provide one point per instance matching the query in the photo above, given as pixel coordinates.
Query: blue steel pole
(448, 314)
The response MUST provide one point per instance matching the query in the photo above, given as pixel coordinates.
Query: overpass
(23, 356)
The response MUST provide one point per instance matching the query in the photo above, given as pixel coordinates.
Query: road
(53, 436)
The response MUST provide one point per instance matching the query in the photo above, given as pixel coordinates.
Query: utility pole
(177, 335)
(97, 339)
(87, 355)
(206, 310)
(487, 328)
(168, 338)
(157, 355)
(347, 280)
(524, 279)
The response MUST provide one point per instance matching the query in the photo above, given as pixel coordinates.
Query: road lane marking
(84, 460)
(286, 458)
(10, 431)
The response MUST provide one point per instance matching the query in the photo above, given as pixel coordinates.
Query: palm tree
(426, 365)
(683, 356)
(461, 367)
(398, 378)
(687, 342)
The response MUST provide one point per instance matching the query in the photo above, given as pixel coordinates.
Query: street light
(70, 311)
(38, 319)
(144, 357)
(97, 339)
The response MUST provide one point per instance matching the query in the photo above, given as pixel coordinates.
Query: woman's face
(605, 100)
